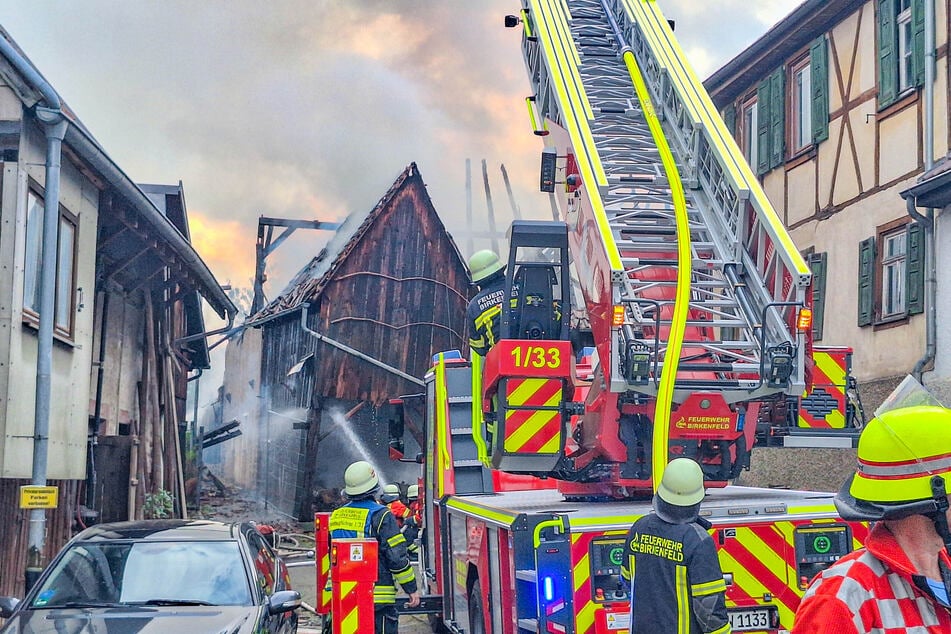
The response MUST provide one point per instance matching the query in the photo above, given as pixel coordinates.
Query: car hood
(223, 619)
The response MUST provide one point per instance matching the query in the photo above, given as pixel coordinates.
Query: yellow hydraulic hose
(678, 326)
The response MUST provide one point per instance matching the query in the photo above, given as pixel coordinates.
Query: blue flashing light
(548, 589)
(741, 420)
(448, 354)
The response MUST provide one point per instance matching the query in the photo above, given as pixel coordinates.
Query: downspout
(336, 344)
(49, 113)
(97, 410)
(928, 221)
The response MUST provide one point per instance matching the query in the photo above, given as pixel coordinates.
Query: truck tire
(476, 610)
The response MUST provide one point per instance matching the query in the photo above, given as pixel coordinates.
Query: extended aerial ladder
(697, 299)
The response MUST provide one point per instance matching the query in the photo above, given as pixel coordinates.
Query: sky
(310, 109)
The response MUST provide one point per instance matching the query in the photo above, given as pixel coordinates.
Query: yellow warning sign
(34, 497)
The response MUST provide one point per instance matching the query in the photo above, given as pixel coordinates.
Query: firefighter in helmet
(363, 517)
(391, 498)
(672, 552)
(901, 579)
(485, 310)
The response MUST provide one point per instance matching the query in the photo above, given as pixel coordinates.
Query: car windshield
(129, 573)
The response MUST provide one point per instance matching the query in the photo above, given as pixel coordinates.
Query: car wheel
(476, 610)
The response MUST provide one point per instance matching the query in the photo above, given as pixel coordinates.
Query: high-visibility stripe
(900, 470)
(589, 166)
(710, 587)
(533, 430)
(396, 540)
(751, 562)
(681, 586)
(581, 574)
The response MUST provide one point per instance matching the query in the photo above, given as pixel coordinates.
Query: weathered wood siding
(397, 293)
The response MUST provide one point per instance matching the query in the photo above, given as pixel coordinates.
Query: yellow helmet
(682, 483)
(483, 265)
(412, 493)
(900, 454)
(360, 478)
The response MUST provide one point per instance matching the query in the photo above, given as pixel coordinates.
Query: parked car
(158, 576)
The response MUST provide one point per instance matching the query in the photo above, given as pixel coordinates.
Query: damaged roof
(311, 280)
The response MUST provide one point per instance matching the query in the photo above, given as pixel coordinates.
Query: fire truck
(664, 313)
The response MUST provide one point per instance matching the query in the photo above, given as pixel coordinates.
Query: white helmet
(682, 483)
(680, 491)
(360, 478)
(391, 493)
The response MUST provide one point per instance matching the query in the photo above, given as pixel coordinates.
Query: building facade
(829, 107)
(126, 299)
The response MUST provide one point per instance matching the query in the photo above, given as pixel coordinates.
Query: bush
(158, 505)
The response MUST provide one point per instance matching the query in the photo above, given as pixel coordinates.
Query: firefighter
(412, 496)
(901, 579)
(412, 523)
(391, 498)
(671, 550)
(363, 517)
(485, 310)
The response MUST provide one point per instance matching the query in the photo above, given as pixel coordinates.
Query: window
(891, 274)
(901, 48)
(64, 308)
(800, 120)
(906, 47)
(748, 128)
(808, 101)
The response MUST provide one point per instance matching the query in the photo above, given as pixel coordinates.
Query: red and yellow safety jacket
(400, 511)
(874, 589)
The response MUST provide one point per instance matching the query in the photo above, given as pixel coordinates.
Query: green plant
(158, 505)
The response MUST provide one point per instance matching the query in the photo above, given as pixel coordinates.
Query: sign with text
(35, 497)
(534, 358)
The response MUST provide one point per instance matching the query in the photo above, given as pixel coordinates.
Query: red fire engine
(689, 335)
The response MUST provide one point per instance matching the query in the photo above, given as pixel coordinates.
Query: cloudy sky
(311, 108)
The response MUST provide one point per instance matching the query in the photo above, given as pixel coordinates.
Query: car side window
(264, 563)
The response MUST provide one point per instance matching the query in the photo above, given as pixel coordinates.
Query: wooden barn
(356, 327)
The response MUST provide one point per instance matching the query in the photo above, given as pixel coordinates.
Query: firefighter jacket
(365, 519)
(682, 591)
(400, 511)
(874, 589)
(484, 316)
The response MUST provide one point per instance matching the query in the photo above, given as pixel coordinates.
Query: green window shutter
(866, 281)
(819, 66)
(762, 128)
(918, 30)
(887, 53)
(777, 118)
(729, 118)
(915, 270)
(817, 262)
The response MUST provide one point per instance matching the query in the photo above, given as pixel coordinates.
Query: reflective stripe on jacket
(365, 519)
(875, 589)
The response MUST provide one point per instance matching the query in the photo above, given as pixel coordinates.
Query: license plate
(749, 620)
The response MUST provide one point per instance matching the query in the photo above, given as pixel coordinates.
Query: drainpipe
(349, 350)
(97, 411)
(928, 220)
(49, 113)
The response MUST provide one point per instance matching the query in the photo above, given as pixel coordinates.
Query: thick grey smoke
(310, 109)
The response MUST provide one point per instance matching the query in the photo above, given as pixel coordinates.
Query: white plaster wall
(71, 361)
(882, 352)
